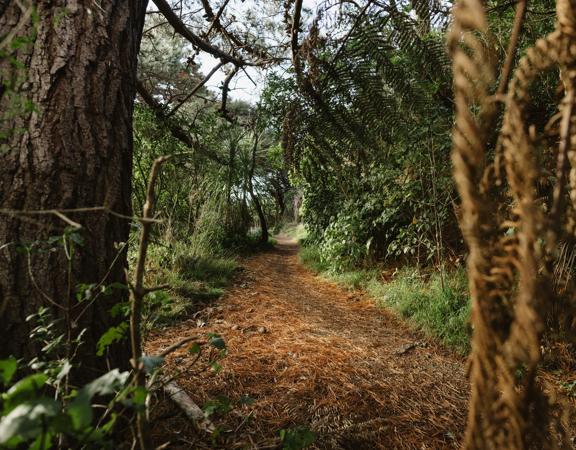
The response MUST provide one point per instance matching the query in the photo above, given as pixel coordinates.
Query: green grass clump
(310, 256)
(216, 271)
(441, 312)
(193, 282)
(353, 279)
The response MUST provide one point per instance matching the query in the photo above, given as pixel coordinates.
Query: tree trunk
(255, 200)
(261, 216)
(69, 147)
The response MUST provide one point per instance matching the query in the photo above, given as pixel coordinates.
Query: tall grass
(439, 311)
(311, 258)
(193, 281)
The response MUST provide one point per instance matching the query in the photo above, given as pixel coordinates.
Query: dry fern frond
(510, 256)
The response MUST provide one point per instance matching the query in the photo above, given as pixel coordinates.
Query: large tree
(67, 72)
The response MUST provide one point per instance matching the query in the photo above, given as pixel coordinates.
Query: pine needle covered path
(311, 354)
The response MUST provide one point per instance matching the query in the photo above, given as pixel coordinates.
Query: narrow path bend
(312, 354)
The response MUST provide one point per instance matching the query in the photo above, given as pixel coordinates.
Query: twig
(294, 34)
(197, 41)
(176, 346)
(512, 46)
(225, 90)
(562, 161)
(21, 23)
(60, 213)
(138, 291)
(196, 89)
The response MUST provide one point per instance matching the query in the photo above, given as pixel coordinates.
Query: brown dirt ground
(313, 354)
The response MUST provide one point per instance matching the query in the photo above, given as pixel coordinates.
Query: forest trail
(313, 354)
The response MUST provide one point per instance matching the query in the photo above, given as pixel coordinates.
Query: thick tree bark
(73, 150)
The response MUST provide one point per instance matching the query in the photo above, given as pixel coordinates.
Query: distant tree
(71, 68)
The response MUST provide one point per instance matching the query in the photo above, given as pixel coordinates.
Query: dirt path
(312, 354)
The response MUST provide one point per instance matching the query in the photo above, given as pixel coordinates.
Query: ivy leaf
(23, 391)
(217, 341)
(152, 363)
(7, 369)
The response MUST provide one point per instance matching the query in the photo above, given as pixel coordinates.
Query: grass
(193, 282)
(310, 257)
(296, 231)
(194, 279)
(441, 312)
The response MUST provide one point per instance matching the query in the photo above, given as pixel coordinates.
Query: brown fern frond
(509, 264)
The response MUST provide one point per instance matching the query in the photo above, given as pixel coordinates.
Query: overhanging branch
(176, 130)
(194, 39)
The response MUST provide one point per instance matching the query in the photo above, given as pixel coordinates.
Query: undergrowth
(440, 311)
(191, 281)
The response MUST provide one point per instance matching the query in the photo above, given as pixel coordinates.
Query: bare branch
(195, 40)
(225, 89)
(176, 346)
(196, 89)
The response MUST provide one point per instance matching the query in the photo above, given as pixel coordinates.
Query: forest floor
(312, 355)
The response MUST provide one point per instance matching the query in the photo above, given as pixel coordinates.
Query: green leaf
(216, 367)
(221, 405)
(217, 341)
(108, 426)
(152, 363)
(121, 309)
(297, 438)
(7, 369)
(114, 334)
(23, 391)
(194, 348)
(80, 409)
(65, 370)
(109, 290)
(26, 420)
(140, 395)
(246, 400)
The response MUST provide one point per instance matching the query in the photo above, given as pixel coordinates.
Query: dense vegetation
(159, 182)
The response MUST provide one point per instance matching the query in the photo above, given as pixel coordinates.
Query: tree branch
(195, 40)
(176, 130)
(225, 90)
(196, 89)
(217, 25)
